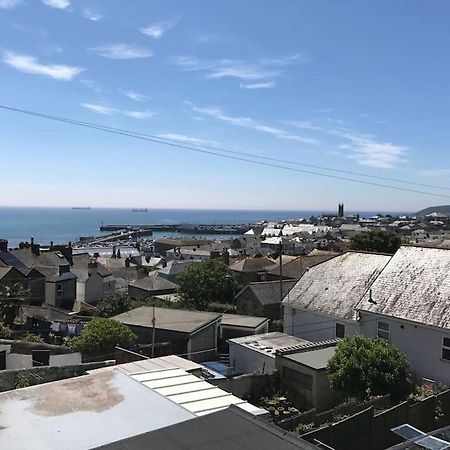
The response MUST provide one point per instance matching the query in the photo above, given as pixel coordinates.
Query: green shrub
(224, 308)
(5, 331)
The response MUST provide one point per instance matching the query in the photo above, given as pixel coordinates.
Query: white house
(410, 306)
(322, 305)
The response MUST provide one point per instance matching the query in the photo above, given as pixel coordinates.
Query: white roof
(83, 412)
(192, 393)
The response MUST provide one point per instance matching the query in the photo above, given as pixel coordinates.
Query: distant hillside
(445, 209)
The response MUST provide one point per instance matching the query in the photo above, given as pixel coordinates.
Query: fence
(371, 431)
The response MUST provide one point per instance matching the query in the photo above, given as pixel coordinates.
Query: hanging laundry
(71, 329)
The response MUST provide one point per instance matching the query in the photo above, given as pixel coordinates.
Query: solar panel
(407, 432)
(420, 438)
(9, 259)
(432, 443)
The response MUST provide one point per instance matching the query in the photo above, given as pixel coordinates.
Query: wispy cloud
(109, 111)
(184, 138)
(157, 30)
(122, 51)
(136, 96)
(368, 151)
(262, 71)
(93, 85)
(101, 109)
(266, 85)
(8, 4)
(247, 122)
(30, 64)
(92, 15)
(303, 125)
(59, 4)
(139, 114)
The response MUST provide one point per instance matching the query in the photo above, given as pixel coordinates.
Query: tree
(101, 336)
(362, 365)
(376, 241)
(113, 304)
(12, 298)
(206, 282)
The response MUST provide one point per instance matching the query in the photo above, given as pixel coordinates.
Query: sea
(62, 225)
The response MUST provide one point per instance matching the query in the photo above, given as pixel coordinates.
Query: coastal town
(246, 329)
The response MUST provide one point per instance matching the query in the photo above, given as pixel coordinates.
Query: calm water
(61, 225)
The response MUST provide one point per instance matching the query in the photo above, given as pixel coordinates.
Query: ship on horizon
(139, 210)
(81, 207)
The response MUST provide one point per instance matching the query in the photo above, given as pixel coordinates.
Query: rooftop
(96, 404)
(228, 429)
(415, 285)
(238, 320)
(268, 292)
(337, 285)
(315, 359)
(168, 319)
(154, 282)
(269, 343)
(252, 265)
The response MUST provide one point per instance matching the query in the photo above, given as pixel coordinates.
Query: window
(383, 330)
(446, 348)
(59, 289)
(299, 378)
(340, 330)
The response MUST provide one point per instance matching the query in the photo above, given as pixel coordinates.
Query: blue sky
(353, 85)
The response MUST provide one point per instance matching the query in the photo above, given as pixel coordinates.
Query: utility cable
(247, 157)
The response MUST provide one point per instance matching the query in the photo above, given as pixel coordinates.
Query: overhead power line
(234, 155)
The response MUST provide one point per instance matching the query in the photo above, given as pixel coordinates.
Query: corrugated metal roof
(336, 286)
(415, 286)
(190, 392)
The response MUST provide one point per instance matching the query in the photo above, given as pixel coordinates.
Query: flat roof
(238, 320)
(84, 412)
(269, 343)
(315, 359)
(228, 429)
(167, 319)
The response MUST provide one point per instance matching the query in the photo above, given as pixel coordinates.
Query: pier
(181, 228)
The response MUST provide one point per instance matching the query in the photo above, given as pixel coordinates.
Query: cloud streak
(8, 4)
(58, 4)
(29, 64)
(367, 151)
(110, 111)
(247, 122)
(122, 51)
(261, 72)
(157, 30)
(267, 85)
(136, 96)
(92, 15)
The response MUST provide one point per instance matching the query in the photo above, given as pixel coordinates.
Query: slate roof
(168, 319)
(336, 286)
(81, 261)
(44, 259)
(415, 286)
(268, 292)
(252, 265)
(154, 282)
(175, 267)
(291, 268)
(228, 429)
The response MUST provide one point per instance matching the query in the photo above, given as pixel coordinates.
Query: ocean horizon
(64, 224)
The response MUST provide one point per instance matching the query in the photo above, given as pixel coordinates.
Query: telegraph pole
(153, 332)
(281, 270)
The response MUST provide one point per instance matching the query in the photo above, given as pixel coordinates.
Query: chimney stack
(64, 268)
(3, 245)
